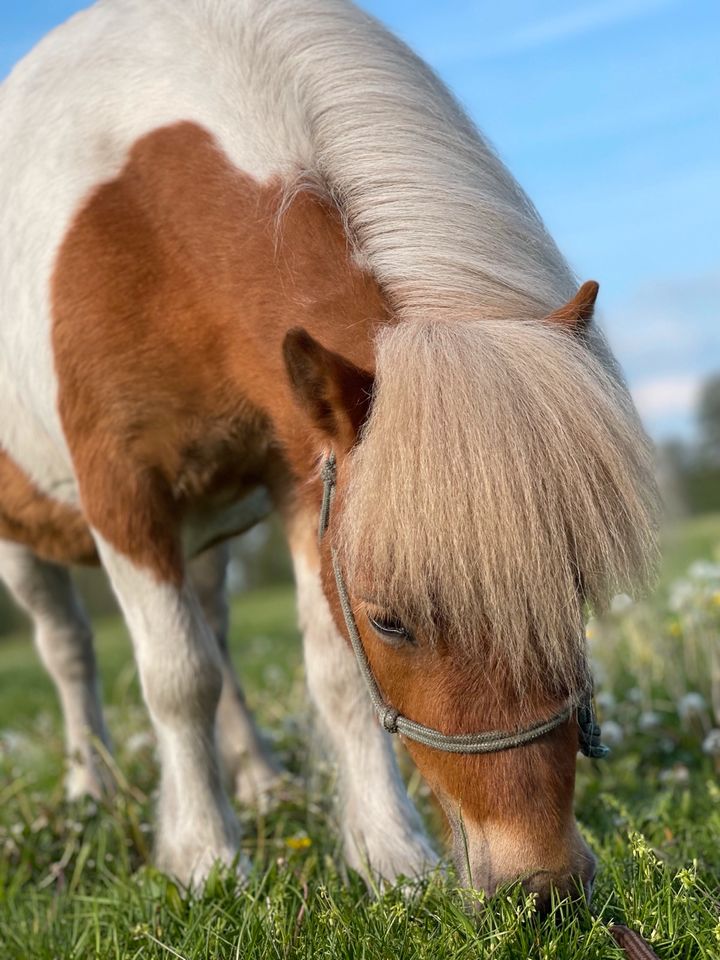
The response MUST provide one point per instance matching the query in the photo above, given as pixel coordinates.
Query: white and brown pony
(237, 235)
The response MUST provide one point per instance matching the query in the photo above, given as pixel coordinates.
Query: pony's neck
(443, 224)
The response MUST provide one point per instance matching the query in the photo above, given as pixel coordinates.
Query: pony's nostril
(576, 888)
(543, 900)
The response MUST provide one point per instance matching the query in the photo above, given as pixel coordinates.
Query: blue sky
(608, 112)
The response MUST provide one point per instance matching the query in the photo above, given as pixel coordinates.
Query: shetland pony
(235, 237)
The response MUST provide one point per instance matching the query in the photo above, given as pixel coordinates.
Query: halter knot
(328, 475)
(329, 470)
(590, 743)
(390, 719)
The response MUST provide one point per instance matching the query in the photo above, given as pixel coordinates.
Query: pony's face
(511, 813)
(491, 477)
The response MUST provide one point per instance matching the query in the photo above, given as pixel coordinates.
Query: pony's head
(492, 482)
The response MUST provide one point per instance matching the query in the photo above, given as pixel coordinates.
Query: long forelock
(502, 482)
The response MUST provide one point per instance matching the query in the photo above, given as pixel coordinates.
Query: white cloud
(666, 396)
(577, 20)
(666, 335)
(669, 326)
(581, 20)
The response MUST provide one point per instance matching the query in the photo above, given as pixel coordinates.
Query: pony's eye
(391, 629)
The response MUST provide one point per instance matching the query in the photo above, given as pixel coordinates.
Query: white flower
(711, 743)
(621, 602)
(13, 742)
(612, 733)
(691, 705)
(681, 595)
(679, 774)
(649, 720)
(606, 701)
(136, 742)
(704, 570)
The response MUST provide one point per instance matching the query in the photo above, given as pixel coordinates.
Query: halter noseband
(394, 722)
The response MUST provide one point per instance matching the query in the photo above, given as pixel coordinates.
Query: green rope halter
(394, 722)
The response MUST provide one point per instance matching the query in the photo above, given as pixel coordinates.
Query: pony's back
(308, 90)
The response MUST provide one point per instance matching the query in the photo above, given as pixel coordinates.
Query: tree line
(689, 469)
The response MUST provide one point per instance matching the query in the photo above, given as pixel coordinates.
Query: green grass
(75, 880)
(688, 540)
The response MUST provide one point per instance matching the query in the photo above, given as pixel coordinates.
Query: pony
(238, 238)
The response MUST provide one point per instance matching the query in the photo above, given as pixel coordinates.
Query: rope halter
(394, 722)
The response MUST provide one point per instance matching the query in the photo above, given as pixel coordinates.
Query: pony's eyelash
(391, 629)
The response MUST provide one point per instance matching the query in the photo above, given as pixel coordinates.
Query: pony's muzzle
(492, 859)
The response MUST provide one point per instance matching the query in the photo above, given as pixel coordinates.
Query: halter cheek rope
(395, 722)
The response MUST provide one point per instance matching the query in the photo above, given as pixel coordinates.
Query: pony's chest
(219, 480)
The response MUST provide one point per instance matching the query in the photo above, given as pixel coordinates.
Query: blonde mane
(427, 203)
(502, 480)
(503, 476)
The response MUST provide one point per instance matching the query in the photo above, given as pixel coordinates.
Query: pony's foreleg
(181, 675)
(248, 762)
(382, 833)
(64, 641)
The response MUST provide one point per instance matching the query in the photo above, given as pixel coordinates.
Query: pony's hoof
(387, 860)
(83, 781)
(192, 869)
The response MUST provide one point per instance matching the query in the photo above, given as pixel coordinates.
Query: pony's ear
(577, 313)
(334, 393)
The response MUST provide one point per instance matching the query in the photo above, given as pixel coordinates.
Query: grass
(75, 880)
(687, 541)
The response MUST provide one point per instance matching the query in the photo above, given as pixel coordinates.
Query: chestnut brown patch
(172, 294)
(55, 531)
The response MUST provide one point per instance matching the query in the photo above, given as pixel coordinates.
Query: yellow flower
(675, 629)
(716, 598)
(301, 842)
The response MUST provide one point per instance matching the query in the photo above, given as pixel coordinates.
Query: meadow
(75, 879)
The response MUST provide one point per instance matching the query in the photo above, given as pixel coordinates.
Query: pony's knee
(182, 685)
(66, 649)
(38, 587)
(178, 658)
(63, 635)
